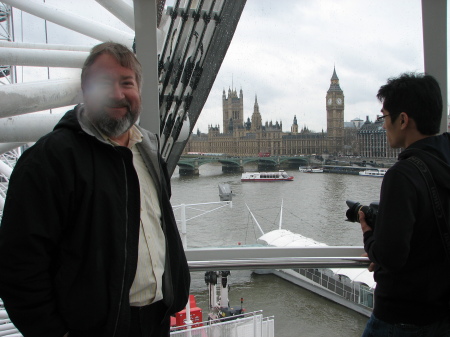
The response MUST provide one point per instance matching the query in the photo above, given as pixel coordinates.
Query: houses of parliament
(252, 137)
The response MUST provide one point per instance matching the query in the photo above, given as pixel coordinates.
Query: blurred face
(111, 96)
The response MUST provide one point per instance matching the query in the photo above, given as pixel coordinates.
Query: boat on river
(311, 169)
(373, 172)
(281, 175)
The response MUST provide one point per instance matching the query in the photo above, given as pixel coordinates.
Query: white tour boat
(310, 169)
(373, 172)
(281, 175)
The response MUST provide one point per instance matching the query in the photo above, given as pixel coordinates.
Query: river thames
(314, 206)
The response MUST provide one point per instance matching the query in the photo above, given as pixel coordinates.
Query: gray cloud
(284, 52)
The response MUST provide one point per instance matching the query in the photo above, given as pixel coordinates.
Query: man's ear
(404, 120)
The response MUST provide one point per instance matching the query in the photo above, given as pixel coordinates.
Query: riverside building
(253, 137)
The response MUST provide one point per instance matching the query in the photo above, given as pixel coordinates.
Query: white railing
(6, 327)
(248, 325)
(245, 258)
(200, 210)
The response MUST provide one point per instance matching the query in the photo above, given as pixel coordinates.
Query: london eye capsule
(3, 13)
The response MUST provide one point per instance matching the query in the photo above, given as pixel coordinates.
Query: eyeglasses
(381, 118)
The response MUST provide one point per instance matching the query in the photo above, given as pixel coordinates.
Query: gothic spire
(334, 77)
(334, 86)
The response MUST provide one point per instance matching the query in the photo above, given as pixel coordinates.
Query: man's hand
(362, 220)
(365, 228)
(371, 265)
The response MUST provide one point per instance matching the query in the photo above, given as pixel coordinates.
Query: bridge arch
(190, 166)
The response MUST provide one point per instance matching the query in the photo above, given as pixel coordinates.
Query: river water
(314, 206)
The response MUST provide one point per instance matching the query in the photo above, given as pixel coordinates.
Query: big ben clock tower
(335, 116)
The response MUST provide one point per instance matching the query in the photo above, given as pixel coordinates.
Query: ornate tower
(294, 127)
(233, 110)
(335, 115)
(256, 116)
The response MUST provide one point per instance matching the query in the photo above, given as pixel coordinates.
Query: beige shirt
(147, 284)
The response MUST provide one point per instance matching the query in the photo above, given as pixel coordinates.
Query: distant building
(250, 137)
(351, 145)
(372, 141)
(305, 142)
(335, 116)
(238, 138)
(355, 123)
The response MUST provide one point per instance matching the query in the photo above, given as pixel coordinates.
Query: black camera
(370, 212)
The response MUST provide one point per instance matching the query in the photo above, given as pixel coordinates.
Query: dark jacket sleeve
(389, 244)
(29, 236)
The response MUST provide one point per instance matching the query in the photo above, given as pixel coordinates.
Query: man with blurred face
(111, 96)
(407, 251)
(88, 239)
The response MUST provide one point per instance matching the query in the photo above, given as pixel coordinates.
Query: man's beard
(113, 127)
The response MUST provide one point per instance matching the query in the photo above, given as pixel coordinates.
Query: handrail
(238, 258)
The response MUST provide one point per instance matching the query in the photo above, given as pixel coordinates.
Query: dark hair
(121, 53)
(418, 95)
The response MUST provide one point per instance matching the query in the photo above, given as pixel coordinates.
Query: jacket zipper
(126, 252)
(163, 223)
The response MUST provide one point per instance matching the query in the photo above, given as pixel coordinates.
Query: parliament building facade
(252, 137)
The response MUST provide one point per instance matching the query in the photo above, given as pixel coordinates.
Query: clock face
(339, 101)
(329, 101)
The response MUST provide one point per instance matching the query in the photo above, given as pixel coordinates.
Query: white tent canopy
(285, 238)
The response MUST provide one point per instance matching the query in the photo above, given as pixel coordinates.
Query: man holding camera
(405, 245)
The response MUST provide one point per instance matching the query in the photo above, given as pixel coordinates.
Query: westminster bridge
(190, 165)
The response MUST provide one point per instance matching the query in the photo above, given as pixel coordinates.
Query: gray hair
(121, 53)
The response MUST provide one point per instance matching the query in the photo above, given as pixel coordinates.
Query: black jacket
(69, 235)
(412, 271)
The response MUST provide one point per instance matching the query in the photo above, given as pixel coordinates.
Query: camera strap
(435, 201)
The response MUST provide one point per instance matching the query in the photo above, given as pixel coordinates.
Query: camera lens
(352, 212)
(370, 212)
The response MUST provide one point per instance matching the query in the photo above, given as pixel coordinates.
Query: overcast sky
(284, 52)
